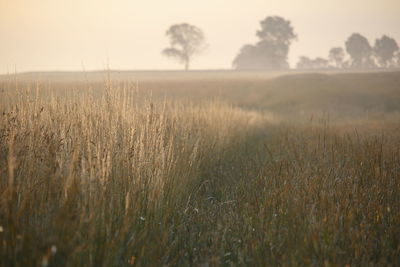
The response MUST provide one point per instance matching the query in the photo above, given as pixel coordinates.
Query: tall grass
(112, 180)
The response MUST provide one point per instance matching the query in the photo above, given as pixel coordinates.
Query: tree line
(358, 54)
(271, 50)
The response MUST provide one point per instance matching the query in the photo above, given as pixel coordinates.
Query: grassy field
(200, 169)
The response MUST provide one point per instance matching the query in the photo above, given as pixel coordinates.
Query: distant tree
(320, 63)
(304, 63)
(263, 55)
(186, 41)
(277, 30)
(308, 63)
(247, 58)
(397, 59)
(360, 51)
(336, 57)
(271, 51)
(385, 50)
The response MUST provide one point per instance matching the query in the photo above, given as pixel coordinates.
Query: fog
(86, 34)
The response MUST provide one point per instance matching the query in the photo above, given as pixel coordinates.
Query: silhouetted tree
(186, 41)
(270, 52)
(247, 58)
(360, 51)
(385, 49)
(277, 30)
(321, 63)
(308, 63)
(304, 63)
(336, 57)
(397, 59)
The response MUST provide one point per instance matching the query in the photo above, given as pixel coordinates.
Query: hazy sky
(69, 34)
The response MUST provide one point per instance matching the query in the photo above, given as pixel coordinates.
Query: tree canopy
(271, 51)
(360, 51)
(385, 49)
(185, 42)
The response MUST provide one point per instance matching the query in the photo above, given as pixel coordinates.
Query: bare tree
(186, 41)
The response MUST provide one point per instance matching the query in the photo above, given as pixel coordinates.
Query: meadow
(200, 169)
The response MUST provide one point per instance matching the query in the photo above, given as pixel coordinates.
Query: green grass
(110, 177)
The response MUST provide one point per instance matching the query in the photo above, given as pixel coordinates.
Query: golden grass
(110, 179)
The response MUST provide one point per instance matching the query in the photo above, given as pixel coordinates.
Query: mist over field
(77, 35)
(183, 133)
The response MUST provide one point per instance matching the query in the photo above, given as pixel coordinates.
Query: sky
(44, 35)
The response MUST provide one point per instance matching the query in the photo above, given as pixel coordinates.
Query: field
(200, 169)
